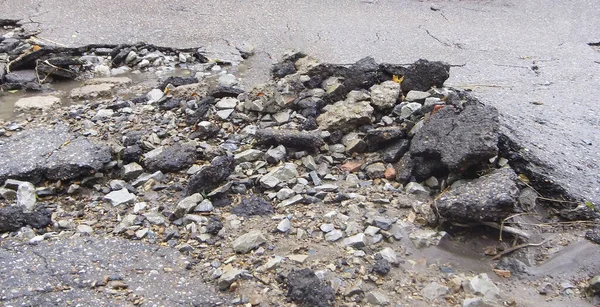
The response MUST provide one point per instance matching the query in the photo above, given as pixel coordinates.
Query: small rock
(375, 170)
(248, 242)
(433, 291)
(230, 274)
(408, 109)
(381, 266)
(389, 255)
(131, 170)
(92, 91)
(377, 298)
(482, 285)
(26, 197)
(249, 155)
(204, 206)
(334, 235)
(154, 95)
(227, 103)
(85, 229)
(306, 289)
(284, 225)
(279, 174)
(415, 188)
(357, 241)
(37, 103)
(477, 302)
(426, 237)
(417, 96)
(253, 205)
(384, 95)
(120, 197)
(188, 204)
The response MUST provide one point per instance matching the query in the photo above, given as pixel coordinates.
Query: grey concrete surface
(552, 109)
(65, 272)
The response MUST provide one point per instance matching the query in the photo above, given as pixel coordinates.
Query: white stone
(120, 197)
(37, 103)
(26, 197)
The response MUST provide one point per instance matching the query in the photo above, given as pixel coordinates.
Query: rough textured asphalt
(63, 273)
(551, 109)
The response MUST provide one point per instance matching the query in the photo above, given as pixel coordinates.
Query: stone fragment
(92, 91)
(334, 235)
(306, 289)
(253, 205)
(227, 103)
(12, 218)
(187, 204)
(415, 188)
(289, 138)
(377, 298)
(433, 291)
(482, 285)
(488, 198)
(417, 96)
(248, 242)
(284, 225)
(131, 170)
(249, 155)
(290, 201)
(384, 95)
(375, 170)
(211, 176)
(357, 241)
(426, 237)
(171, 159)
(230, 274)
(42, 103)
(279, 174)
(475, 129)
(26, 196)
(389, 255)
(120, 197)
(345, 115)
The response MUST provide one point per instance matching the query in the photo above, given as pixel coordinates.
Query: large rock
(253, 205)
(420, 76)
(171, 159)
(345, 115)
(37, 103)
(13, 218)
(488, 198)
(459, 139)
(211, 176)
(50, 153)
(306, 289)
(279, 174)
(289, 138)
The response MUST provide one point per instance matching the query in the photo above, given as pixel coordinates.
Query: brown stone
(352, 166)
(390, 173)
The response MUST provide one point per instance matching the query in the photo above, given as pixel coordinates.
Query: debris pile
(342, 169)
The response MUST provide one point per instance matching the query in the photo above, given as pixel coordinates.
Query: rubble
(327, 167)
